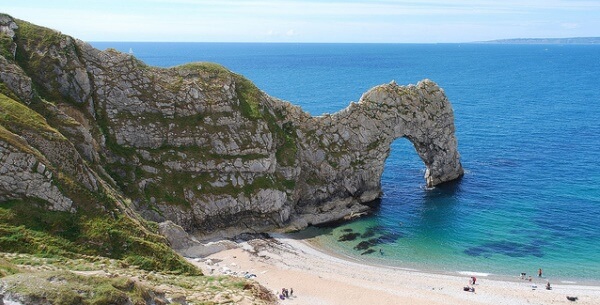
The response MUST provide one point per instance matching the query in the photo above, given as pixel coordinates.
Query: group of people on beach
(473, 280)
(286, 294)
(540, 274)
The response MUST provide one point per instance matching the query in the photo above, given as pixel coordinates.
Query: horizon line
(355, 42)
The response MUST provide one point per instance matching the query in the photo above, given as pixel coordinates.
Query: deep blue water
(528, 128)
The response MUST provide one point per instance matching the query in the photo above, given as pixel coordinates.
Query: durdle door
(349, 148)
(200, 145)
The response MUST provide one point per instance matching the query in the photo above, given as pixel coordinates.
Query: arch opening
(403, 169)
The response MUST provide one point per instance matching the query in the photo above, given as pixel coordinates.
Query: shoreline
(311, 243)
(319, 277)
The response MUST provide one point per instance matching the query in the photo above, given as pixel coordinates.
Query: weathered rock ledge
(203, 147)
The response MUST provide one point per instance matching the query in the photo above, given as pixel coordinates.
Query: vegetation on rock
(91, 141)
(97, 280)
(71, 254)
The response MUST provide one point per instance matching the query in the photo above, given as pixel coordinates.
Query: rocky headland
(199, 145)
(91, 135)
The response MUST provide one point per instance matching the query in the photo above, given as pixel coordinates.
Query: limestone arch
(423, 115)
(344, 154)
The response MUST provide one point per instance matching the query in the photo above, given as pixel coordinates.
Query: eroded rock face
(204, 148)
(23, 175)
(423, 114)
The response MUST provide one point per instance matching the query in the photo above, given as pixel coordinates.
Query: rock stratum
(197, 144)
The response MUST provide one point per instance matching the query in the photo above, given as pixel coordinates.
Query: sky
(382, 21)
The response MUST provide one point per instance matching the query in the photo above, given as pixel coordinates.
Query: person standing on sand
(291, 292)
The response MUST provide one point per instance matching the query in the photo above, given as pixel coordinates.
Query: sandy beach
(322, 279)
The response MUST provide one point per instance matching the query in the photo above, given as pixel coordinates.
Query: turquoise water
(528, 128)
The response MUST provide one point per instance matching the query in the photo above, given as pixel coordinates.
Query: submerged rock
(368, 252)
(368, 233)
(348, 237)
(363, 245)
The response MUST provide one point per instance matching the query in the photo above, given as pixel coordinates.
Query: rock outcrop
(203, 147)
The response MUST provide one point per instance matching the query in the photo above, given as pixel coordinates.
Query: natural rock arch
(350, 147)
(425, 117)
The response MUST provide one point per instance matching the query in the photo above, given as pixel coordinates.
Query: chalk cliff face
(197, 144)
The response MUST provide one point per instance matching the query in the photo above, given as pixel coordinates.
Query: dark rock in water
(370, 232)
(389, 238)
(373, 241)
(363, 245)
(384, 239)
(347, 230)
(508, 248)
(348, 237)
(368, 252)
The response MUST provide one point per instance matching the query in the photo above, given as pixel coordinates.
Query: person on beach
(473, 280)
(540, 272)
(291, 292)
(548, 287)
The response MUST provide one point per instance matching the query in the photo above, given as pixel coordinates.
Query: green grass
(33, 42)
(287, 149)
(249, 96)
(21, 117)
(37, 36)
(54, 279)
(204, 67)
(5, 47)
(26, 227)
(66, 288)
(4, 90)
(7, 268)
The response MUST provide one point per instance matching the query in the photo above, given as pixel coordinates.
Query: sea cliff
(197, 144)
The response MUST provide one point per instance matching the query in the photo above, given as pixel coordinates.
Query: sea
(528, 127)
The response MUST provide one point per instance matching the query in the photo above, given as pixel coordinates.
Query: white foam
(473, 273)
(568, 282)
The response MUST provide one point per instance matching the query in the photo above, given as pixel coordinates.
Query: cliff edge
(197, 144)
